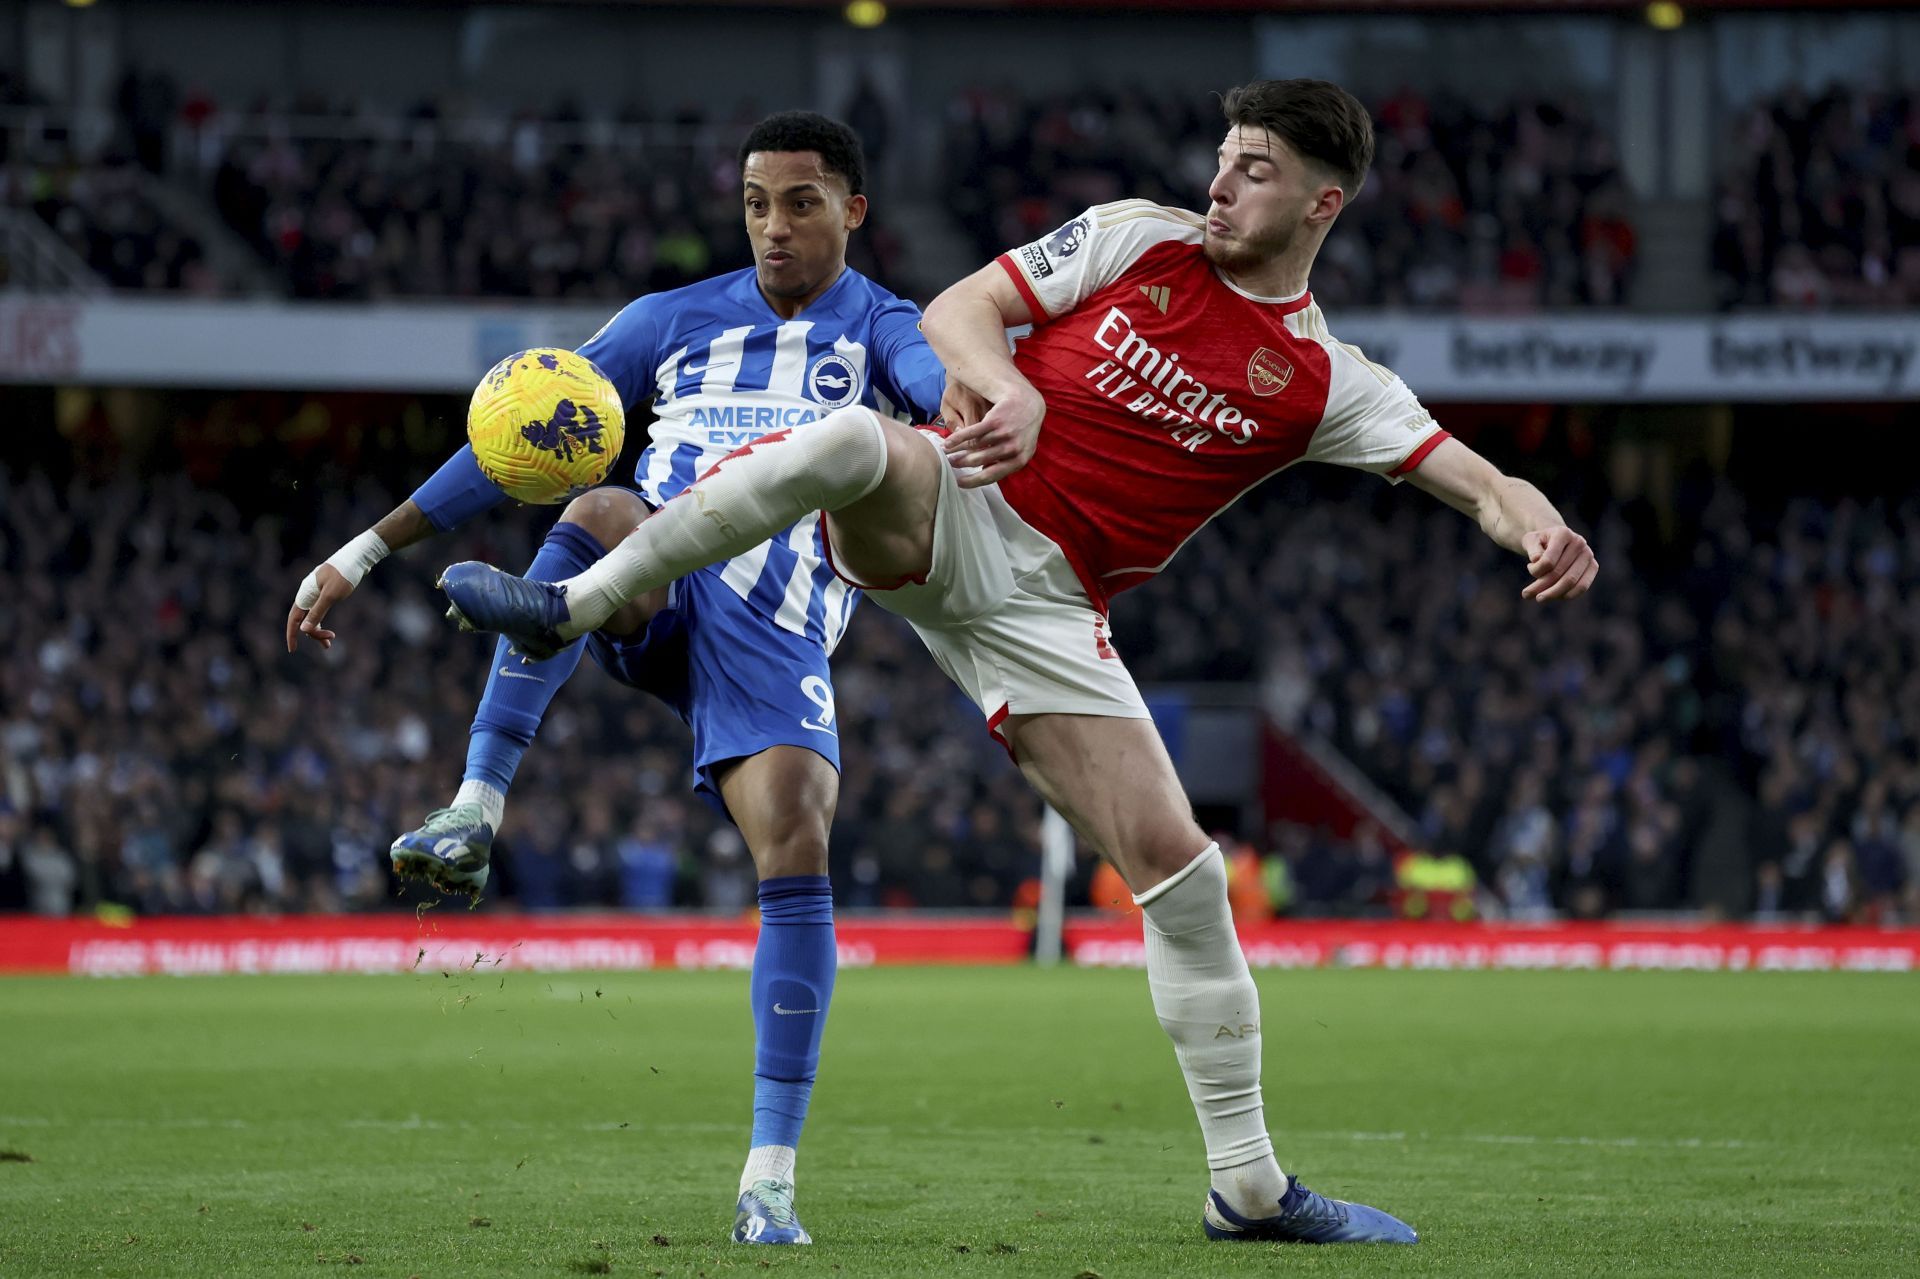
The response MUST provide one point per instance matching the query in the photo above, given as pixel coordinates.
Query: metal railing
(35, 260)
(522, 143)
(84, 134)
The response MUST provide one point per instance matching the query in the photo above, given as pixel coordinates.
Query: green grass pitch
(985, 1123)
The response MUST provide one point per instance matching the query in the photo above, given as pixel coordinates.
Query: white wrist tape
(351, 562)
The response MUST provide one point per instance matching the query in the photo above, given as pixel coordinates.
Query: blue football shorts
(741, 683)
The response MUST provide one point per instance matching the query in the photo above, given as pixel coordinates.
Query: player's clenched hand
(1562, 564)
(961, 405)
(1001, 442)
(322, 589)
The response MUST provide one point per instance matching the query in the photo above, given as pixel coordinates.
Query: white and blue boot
(1306, 1217)
(451, 850)
(765, 1215)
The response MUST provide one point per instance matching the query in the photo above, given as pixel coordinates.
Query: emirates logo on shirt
(1268, 372)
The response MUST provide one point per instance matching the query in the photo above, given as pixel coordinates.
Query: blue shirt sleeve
(908, 370)
(456, 492)
(627, 350)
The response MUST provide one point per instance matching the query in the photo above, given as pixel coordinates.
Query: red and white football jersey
(1170, 392)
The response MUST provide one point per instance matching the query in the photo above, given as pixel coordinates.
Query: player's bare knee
(796, 853)
(915, 467)
(1153, 858)
(608, 514)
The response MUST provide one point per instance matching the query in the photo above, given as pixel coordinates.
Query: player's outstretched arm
(452, 495)
(1514, 514)
(334, 579)
(967, 328)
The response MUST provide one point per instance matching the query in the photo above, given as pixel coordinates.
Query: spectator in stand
(726, 874)
(1909, 872)
(13, 870)
(52, 874)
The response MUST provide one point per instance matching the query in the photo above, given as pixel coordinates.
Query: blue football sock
(517, 694)
(793, 968)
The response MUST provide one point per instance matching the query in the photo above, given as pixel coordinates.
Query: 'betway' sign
(1628, 358)
(439, 347)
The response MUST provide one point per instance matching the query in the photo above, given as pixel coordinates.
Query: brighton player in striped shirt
(1176, 360)
(740, 650)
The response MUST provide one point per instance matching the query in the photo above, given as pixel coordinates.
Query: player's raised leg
(452, 849)
(850, 458)
(783, 800)
(1112, 779)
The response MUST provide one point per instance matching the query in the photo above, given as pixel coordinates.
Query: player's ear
(856, 211)
(1327, 203)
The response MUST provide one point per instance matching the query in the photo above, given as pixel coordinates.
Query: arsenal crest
(1268, 372)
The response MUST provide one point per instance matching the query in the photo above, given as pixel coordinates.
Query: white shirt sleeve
(1060, 271)
(1373, 421)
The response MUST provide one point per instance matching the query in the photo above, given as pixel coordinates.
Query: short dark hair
(1318, 119)
(838, 146)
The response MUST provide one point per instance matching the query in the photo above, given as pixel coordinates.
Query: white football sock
(1207, 1003)
(767, 1163)
(492, 802)
(746, 498)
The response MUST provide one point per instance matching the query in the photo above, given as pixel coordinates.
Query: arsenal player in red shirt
(1174, 362)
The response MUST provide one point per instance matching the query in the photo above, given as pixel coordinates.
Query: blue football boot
(765, 1215)
(451, 850)
(528, 613)
(1306, 1217)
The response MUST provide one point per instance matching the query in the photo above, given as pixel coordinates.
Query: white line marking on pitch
(1528, 1139)
(416, 1123)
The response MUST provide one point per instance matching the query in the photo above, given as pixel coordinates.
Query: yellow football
(545, 425)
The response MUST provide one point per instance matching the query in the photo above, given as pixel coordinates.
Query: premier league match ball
(545, 425)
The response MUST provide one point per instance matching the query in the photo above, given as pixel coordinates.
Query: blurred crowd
(1488, 208)
(1729, 725)
(1820, 202)
(1513, 208)
(444, 204)
(160, 749)
(341, 199)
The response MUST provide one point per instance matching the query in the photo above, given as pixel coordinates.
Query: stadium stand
(343, 202)
(161, 749)
(1730, 716)
(1727, 723)
(432, 203)
(1499, 210)
(1505, 209)
(1820, 202)
(97, 199)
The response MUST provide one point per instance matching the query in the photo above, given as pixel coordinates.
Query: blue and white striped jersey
(723, 369)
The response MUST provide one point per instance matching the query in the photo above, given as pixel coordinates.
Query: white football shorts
(1005, 617)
